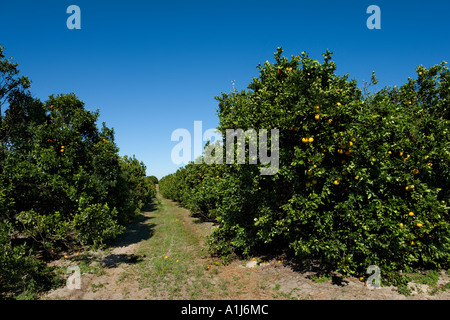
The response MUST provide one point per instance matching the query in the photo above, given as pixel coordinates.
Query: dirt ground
(115, 273)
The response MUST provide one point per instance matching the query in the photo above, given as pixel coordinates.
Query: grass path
(162, 256)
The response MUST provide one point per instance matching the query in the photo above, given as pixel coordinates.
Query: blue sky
(151, 67)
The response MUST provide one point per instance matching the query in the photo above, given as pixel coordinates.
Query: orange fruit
(412, 243)
(340, 151)
(330, 121)
(336, 182)
(419, 225)
(411, 214)
(429, 164)
(415, 171)
(317, 107)
(304, 140)
(311, 139)
(309, 172)
(357, 177)
(339, 104)
(317, 116)
(401, 225)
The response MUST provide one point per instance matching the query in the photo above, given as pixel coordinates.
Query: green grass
(171, 270)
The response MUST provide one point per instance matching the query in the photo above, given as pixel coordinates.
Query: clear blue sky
(151, 67)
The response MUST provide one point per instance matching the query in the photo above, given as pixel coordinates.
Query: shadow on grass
(139, 230)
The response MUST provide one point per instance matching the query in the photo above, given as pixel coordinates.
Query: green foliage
(342, 198)
(153, 179)
(62, 183)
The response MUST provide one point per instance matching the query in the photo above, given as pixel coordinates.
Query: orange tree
(62, 184)
(363, 179)
(198, 187)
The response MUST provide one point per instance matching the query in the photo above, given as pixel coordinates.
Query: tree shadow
(139, 230)
(115, 259)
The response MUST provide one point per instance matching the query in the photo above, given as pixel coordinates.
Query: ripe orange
(339, 104)
(330, 121)
(401, 225)
(336, 182)
(411, 214)
(340, 151)
(317, 107)
(429, 164)
(412, 243)
(419, 225)
(311, 139)
(317, 116)
(357, 177)
(304, 140)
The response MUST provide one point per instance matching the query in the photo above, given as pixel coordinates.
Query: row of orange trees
(62, 183)
(364, 177)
